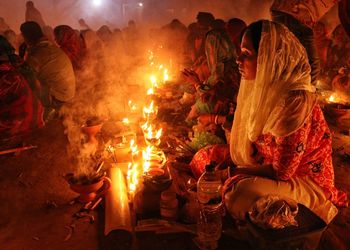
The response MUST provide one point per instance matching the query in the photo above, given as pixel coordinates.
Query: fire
(146, 156)
(152, 157)
(132, 177)
(165, 75)
(150, 91)
(132, 106)
(150, 111)
(126, 121)
(153, 80)
(151, 134)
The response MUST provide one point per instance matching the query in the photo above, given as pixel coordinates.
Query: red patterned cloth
(20, 110)
(306, 152)
(218, 153)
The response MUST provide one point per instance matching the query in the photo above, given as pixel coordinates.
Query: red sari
(306, 152)
(20, 110)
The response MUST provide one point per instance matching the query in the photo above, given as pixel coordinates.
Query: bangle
(216, 119)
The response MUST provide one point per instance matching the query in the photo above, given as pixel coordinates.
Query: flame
(165, 75)
(131, 105)
(334, 98)
(150, 91)
(146, 156)
(132, 177)
(133, 147)
(151, 110)
(151, 133)
(152, 157)
(153, 80)
(126, 121)
(159, 133)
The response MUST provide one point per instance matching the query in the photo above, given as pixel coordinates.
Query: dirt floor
(36, 210)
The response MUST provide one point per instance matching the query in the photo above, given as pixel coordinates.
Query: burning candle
(132, 106)
(150, 112)
(165, 75)
(126, 121)
(152, 136)
(132, 179)
(332, 98)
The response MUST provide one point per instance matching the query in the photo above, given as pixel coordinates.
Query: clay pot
(88, 192)
(91, 132)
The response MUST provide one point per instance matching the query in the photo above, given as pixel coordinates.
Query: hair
(254, 30)
(6, 49)
(31, 31)
(29, 4)
(218, 24)
(205, 18)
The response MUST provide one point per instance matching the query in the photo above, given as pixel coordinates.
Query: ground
(36, 210)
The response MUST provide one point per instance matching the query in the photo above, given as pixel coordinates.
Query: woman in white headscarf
(279, 137)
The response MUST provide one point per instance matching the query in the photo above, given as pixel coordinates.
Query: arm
(262, 171)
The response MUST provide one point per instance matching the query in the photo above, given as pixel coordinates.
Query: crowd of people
(253, 90)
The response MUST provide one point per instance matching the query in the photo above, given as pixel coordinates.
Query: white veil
(279, 99)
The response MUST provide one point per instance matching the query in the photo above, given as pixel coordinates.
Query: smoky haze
(116, 13)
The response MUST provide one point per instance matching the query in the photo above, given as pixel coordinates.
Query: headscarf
(71, 43)
(280, 98)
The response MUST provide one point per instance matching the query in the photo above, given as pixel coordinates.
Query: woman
(339, 51)
(279, 139)
(20, 110)
(71, 43)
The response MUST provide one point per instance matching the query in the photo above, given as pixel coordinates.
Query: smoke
(118, 13)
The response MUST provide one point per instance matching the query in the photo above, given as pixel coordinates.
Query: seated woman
(20, 110)
(279, 139)
(71, 43)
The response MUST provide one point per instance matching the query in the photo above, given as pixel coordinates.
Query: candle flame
(153, 79)
(132, 177)
(165, 75)
(126, 121)
(133, 146)
(131, 105)
(150, 91)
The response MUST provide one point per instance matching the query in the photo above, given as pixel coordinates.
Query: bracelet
(216, 119)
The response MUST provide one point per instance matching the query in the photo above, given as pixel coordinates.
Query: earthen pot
(88, 192)
(91, 132)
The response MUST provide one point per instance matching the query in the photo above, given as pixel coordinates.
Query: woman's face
(247, 60)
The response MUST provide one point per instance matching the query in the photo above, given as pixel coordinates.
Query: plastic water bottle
(209, 188)
(209, 224)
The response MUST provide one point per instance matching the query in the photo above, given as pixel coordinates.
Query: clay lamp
(91, 129)
(88, 187)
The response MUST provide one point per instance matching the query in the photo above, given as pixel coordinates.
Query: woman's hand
(206, 119)
(262, 171)
(191, 77)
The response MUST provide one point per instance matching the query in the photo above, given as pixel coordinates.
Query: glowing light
(140, 4)
(150, 91)
(331, 98)
(97, 2)
(153, 79)
(126, 121)
(165, 75)
(132, 178)
(150, 112)
(132, 106)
